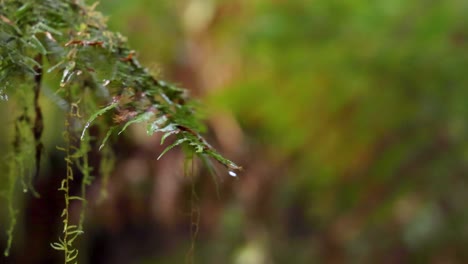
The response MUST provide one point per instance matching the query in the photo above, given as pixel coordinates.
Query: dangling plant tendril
(96, 65)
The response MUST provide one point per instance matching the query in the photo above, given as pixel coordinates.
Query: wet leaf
(176, 143)
(96, 115)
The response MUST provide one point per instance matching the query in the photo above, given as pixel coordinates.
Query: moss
(96, 65)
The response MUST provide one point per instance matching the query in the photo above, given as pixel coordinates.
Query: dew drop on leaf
(232, 173)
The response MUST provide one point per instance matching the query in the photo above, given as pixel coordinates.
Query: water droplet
(67, 74)
(232, 173)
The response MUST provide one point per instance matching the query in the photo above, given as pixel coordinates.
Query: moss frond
(95, 65)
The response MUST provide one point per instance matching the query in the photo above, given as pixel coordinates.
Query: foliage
(352, 123)
(97, 67)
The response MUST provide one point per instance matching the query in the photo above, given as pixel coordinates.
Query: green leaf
(45, 28)
(96, 115)
(71, 227)
(57, 246)
(52, 68)
(76, 198)
(227, 163)
(156, 125)
(38, 45)
(167, 134)
(178, 142)
(72, 255)
(140, 118)
(108, 134)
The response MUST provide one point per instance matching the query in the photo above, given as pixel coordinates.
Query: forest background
(349, 118)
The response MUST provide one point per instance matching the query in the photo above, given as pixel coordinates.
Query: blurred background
(349, 118)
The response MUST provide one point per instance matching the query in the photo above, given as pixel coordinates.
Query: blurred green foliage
(362, 103)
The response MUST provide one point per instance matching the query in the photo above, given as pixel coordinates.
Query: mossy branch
(72, 39)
